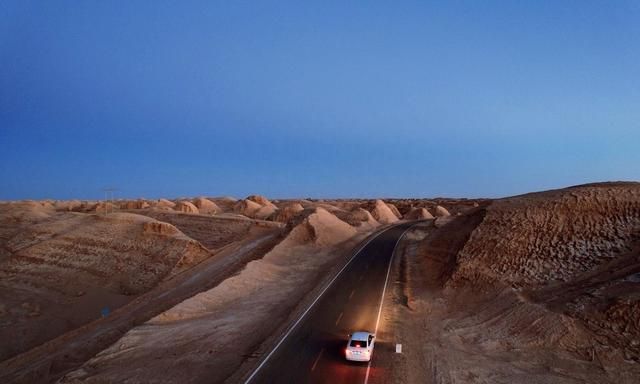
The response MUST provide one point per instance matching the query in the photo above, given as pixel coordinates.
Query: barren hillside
(536, 288)
(552, 236)
(62, 270)
(207, 335)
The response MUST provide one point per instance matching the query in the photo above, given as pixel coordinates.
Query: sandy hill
(134, 204)
(260, 200)
(247, 208)
(359, 218)
(214, 232)
(418, 214)
(103, 207)
(87, 262)
(309, 239)
(394, 209)
(215, 322)
(186, 207)
(206, 206)
(67, 205)
(286, 213)
(327, 207)
(347, 205)
(318, 227)
(164, 204)
(14, 214)
(225, 203)
(382, 213)
(441, 211)
(265, 212)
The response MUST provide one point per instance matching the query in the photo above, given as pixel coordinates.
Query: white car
(360, 346)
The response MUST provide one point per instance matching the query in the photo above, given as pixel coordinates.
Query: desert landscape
(541, 287)
(278, 192)
(538, 288)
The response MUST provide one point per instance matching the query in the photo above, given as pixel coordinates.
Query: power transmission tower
(108, 198)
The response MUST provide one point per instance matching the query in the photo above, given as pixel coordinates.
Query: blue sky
(318, 99)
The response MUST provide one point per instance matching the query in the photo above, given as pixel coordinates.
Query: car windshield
(358, 343)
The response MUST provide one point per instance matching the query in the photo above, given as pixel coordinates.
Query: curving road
(313, 350)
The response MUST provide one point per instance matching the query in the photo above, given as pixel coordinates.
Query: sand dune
(225, 203)
(441, 211)
(265, 212)
(382, 213)
(206, 206)
(286, 213)
(320, 228)
(359, 218)
(134, 204)
(186, 207)
(68, 205)
(260, 200)
(247, 208)
(164, 203)
(418, 214)
(394, 209)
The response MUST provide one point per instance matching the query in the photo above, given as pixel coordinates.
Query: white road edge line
(315, 301)
(386, 280)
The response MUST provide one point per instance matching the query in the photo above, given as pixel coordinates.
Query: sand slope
(535, 288)
(164, 203)
(552, 236)
(382, 213)
(247, 208)
(260, 200)
(134, 204)
(418, 214)
(206, 206)
(225, 203)
(63, 269)
(287, 212)
(205, 337)
(441, 211)
(186, 207)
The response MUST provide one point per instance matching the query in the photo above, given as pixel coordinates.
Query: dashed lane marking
(339, 317)
(317, 359)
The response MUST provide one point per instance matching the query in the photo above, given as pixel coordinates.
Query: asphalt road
(313, 352)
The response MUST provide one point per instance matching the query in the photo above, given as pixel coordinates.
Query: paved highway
(313, 350)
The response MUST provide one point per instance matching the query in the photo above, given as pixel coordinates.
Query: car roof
(360, 335)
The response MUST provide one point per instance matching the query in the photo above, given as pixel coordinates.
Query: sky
(316, 99)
